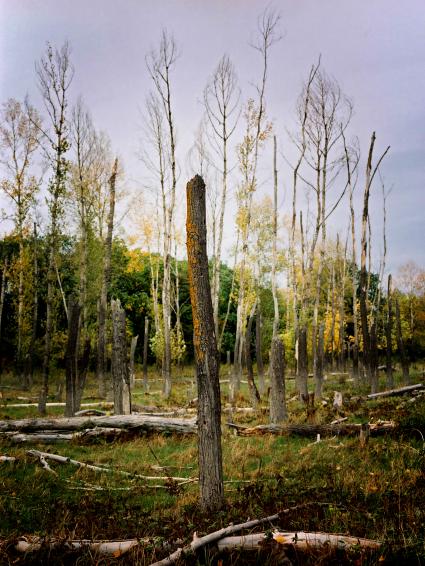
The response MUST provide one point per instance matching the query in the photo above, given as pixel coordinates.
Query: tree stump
(120, 374)
(206, 354)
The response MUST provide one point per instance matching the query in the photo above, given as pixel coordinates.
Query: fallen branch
(300, 540)
(399, 391)
(65, 460)
(343, 429)
(199, 543)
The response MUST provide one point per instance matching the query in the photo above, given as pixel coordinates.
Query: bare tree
(54, 74)
(367, 353)
(256, 133)
(221, 100)
(160, 65)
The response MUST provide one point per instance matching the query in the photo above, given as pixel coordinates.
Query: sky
(375, 49)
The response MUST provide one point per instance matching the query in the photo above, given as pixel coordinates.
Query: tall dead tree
(206, 354)
(54, 75)
(257, 132)
(221, 100)
(160, 64)
(367, 354)
(106, 282)
(119, 364)
(278, 412)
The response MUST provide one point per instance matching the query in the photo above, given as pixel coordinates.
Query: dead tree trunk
(71, 356)
(253, 391)
(389, 336)
(145, 354)
(278, 411)
(131, 364)
(83, 366)
(3, 290)
(120, 377)
(302, 369)
(320, 355)
(258, 349)
(400, 345)
(206, 354)
(103, 302)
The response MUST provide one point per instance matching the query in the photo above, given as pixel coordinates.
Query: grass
(374, 492)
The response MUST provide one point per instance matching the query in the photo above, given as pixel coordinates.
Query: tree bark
(206, 354)
(119, 367)
(278, 412)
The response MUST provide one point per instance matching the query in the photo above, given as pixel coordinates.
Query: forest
(273, 380)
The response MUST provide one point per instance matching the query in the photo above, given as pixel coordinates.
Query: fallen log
(300, 540)
(343, 429)
(110, 548)
(41, 437)
(103, 404)
(145, 423)
(200, 542)
(399, 391)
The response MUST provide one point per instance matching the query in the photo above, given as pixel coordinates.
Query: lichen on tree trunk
(206, 354)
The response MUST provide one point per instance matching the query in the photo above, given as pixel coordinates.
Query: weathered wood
(119, 367)
(206, 354)
(200, 542)
(110, 548)
(395, 392)
(130, 422)
(299, 539)
(103, 404)
(43, 456)
(346, 429)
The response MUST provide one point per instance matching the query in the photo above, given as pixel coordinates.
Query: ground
(374, 491)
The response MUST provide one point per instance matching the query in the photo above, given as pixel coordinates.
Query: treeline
(133, 274)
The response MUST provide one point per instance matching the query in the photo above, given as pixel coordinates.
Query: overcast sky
(375, 49)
